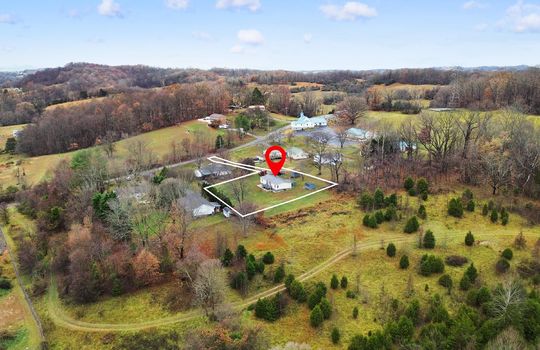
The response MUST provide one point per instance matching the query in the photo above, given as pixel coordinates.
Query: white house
(275, 183)
(309, 123)
(296, 153)
(214, 118)
(197, 205)
(359, 134)
(328, 158)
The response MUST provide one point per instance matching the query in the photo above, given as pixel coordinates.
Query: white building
(359, 134)
(296, 153)
(328, 158)
(304, 122)
(275, 183)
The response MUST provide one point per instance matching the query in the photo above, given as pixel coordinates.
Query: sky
(270, 34)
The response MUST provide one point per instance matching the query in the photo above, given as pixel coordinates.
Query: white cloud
(7, 18)
(250, 36)
(350, 11)
(238, 49)
(308, 37)
(203, 36)
(177, 4)
(522, 17)
(109, 8)
(252, 5)
(470, 5)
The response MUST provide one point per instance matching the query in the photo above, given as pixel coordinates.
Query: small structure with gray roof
(197, 205)
(212, 170)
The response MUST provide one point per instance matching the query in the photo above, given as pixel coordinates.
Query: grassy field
(6, 132)
(158, 142)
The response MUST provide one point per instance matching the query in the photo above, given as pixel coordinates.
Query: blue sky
(270, 34)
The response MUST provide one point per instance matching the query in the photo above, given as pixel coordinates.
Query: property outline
(256, 170)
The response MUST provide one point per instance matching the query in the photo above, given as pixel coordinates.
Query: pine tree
(334, 282)
(494, 215)
(227, 258)
(335, 335)
(391, 250)
(469, 239)
(472, 273)
(408, 184)
(316, 317)
(412, 225)
(326, 308)
(344, 282)
(355, 312)
(429, 240)
(404, 262)
(422, 213)
(378, 198)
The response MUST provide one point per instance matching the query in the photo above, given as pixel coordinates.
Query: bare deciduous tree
(318, 144)
(210, 285)
(352, 109)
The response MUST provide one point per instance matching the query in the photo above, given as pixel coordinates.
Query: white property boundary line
(256, 170)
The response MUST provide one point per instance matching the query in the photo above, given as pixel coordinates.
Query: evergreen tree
(279, 274)
(355, 312)
(446, 281)
(404, 262)
(378, 199)
(412, 225)
(326, 308)
(422, 186)
(11, 145)
(429, 240)
(471, 206)
(227, 258)
(257, 98)
(391, 250)
(472, 273)
(335, 336)
(507, 254)
(251, 269)
(469, 239)
(241, 252)
(316, 317)
(485, 210)
(455, 208)
(334, 282)
(494, 215)
(366, 202)
(219, 142)
(465, 283)
(268, 258)
(344, 282)
(408, 184)
(422, 213)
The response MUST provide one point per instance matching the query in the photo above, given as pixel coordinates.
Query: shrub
(288, 281)
(431, 264)
(504, 217)
(366, 202)
(350, 294)
(334, 282)
(390, 213)
(494, 215)
(241, 252)
(326, 308)
(391, 200)
(467, 195)
(379, 217)
(316, 295)
(279, 274)
(5, 283)
(422, 186)
(370, 221)
(455, 208)
(483, 295)
(470, 206)
(378, 198)
(502, 266)
(422, 213)
(412, 192)
(485, 210)
(429, 240)
(355, 312)
(391, 250)
(412, 225)
(227, 258)
(316, 317)
(404, 262)
(472, 273)
(266, 309)
(297, 291)
(335, 335)
(469, 239)
(408, 184)
(456, 260)
(507, 254)
(446, 281)
(344, 282)
(268, 258)
(465, 283)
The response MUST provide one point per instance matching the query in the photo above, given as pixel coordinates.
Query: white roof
(275, 179)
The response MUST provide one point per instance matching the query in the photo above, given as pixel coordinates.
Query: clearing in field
(303, 185)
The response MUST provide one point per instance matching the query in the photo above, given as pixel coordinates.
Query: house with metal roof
(296, 153)
(304, 122)
(198, 206)
(275, 183)
(212, 170)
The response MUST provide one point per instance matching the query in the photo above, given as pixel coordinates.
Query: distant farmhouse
(304, 122)
(212, 170)
(16, 133)
(359, 134)
(296, 153)
(327, 158)
(275, 183)
(216, 120)
(197, 205)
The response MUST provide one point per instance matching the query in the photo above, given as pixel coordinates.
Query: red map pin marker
(275, 166)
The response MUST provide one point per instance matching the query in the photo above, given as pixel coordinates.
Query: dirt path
(63, 320)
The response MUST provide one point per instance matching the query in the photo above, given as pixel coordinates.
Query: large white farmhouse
(304, 122)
